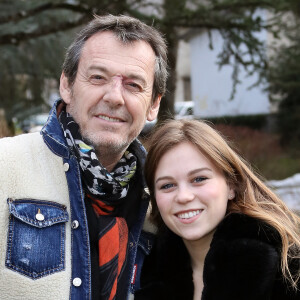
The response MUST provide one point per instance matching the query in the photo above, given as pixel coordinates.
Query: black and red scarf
(105, 190)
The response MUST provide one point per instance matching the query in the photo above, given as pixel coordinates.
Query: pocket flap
(37, 212)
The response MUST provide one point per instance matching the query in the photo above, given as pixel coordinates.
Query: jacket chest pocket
(36, 237)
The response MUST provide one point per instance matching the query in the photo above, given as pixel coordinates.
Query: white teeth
(188, 215)
(109, 119)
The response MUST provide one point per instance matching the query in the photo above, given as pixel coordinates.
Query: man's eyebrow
(98, 68)
(137, 77)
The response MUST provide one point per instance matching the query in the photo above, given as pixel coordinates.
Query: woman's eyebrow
(199, 170)
(163, 178)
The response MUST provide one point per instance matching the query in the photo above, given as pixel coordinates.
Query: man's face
(111, 96)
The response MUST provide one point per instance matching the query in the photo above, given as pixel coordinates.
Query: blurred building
(200, 78)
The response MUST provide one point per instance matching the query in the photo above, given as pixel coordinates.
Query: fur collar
(243, 263)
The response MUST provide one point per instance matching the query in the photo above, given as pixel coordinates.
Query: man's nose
(113, 93)
(184, 194)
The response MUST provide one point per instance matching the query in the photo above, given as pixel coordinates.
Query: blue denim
(42, 250)
(145, 246)
(81, 265)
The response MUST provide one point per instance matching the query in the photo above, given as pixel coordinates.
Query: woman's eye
(166, 186)
(199, 179)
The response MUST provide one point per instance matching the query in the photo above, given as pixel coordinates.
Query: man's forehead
(104, 52)
(105, 42)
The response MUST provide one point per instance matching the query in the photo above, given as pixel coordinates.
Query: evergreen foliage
(35, 33)
(284, 78)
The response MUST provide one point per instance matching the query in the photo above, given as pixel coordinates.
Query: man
(72, 199)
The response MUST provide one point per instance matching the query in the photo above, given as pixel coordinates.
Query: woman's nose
(184, 194)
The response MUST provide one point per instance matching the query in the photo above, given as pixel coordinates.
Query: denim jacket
(46, 252)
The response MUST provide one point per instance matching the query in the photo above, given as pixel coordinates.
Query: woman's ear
(231, 194)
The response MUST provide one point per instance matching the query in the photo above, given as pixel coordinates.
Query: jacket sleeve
(240, 269)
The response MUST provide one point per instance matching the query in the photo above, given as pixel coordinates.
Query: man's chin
(109, 141)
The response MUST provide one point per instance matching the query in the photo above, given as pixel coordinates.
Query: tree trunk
(167, 104)
(4, 130)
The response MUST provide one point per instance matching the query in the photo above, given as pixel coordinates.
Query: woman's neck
(197, 251)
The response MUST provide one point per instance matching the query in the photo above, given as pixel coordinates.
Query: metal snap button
(66, 167)
(39, 216)
(77, 281)
(75, 224)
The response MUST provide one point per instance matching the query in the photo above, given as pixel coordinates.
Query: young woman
(222, 233)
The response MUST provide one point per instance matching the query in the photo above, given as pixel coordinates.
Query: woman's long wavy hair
(252, 196)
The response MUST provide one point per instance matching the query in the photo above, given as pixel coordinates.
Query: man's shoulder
(20, 141)
(20, 146)
(20, 137)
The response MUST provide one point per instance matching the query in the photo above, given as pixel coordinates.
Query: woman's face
(191, 193)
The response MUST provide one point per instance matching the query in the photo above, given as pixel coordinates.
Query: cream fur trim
(28, 169)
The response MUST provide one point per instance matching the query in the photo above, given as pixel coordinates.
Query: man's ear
(153, 110)
(64, 89)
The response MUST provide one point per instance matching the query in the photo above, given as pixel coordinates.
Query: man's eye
(96, 78)
(133, 86)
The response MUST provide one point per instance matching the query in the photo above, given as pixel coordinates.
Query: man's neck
(108, 159)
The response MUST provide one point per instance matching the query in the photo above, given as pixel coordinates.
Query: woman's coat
(243, 263)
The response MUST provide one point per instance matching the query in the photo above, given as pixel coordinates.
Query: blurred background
(233, 62)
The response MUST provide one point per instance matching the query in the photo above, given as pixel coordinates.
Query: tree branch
(245, 5)
(23, 14)
(198, 23)
(16, 38)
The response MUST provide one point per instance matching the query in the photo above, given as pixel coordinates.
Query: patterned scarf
(106, 192)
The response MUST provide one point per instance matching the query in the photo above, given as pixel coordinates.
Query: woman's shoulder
(240, 226)
(240, 239)
(245, 247)
(243, 260)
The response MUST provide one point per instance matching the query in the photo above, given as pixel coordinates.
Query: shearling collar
(243, 263)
